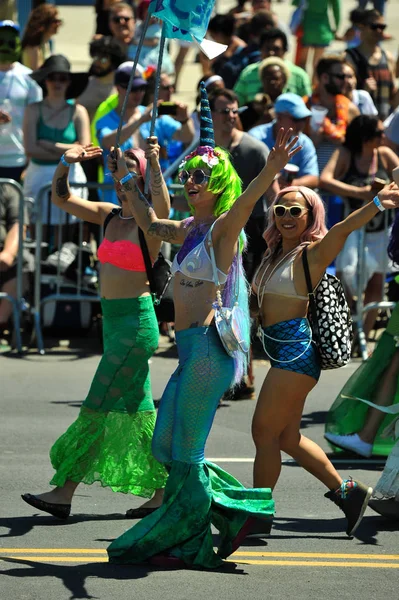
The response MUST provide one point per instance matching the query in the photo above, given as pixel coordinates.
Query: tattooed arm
(61, 195)
(159, 191)
(146, 218)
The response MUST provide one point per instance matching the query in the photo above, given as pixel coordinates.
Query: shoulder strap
(312, 301)
(110, 216)
(147, 260)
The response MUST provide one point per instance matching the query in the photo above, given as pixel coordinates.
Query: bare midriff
(120, 283)
(276, 308)
(193, 302)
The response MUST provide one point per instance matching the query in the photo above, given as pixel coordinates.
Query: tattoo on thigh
(62, 187)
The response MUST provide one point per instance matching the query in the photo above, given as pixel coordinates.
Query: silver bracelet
(378, 204)
(64, 162)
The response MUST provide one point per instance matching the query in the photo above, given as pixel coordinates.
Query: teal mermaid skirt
(346, 415)
(198, 493)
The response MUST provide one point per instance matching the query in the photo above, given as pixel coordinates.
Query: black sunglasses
(376, 26)
(295, 211)
(10, 43)
(198, 176)
(141, 88)
(60, 77)
(226, 111)
(121, 19)
(341, 76)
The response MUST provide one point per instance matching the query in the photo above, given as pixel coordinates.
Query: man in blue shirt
(136, 126)
(291, 111)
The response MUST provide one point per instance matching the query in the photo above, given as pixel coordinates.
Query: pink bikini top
(123, 254)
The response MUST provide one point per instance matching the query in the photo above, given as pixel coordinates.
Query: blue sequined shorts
(289, 346)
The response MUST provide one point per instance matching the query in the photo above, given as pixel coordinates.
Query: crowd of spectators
(328, 99)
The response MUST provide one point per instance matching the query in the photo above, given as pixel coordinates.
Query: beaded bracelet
(378, 204)
(64, 162)
(126, 178)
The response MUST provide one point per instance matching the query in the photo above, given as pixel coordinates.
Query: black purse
(160, 278)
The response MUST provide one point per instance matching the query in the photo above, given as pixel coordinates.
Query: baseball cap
(293, 105)
(10, 24)
(123, 73)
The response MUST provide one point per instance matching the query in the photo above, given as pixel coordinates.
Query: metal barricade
(39, 302)
(18, 302)
(362, 309)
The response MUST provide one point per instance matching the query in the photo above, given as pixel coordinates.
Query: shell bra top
(123, 254)
(195, 262)
(280, 280)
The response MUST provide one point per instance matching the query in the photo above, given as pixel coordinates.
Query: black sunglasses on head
(198, 176)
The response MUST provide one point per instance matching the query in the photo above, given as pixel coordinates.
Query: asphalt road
(307, 554)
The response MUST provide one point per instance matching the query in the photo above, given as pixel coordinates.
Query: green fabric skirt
(347, 416)
(110, 441)
(196, 497)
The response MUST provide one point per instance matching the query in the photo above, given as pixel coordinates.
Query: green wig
(224, 183)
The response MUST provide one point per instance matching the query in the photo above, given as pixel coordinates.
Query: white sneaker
(350, 442)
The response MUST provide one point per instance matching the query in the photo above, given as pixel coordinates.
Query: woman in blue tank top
(51, 127)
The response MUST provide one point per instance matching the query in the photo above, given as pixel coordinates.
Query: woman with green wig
(208, 266)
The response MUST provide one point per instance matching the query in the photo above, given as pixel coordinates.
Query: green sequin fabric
(110, 441)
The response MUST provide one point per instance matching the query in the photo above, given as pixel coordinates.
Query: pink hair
(138, 155)
(317, 228)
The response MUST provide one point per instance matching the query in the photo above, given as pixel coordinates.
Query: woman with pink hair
(297, 227)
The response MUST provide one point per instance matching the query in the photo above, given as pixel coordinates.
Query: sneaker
(350, 442)
(352, 498)
(387, 507)
(260, 528)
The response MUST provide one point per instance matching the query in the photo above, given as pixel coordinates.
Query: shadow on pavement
(19, 526)
(318, 417)
(74, 577)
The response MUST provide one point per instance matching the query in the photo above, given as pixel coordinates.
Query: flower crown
(209, 156)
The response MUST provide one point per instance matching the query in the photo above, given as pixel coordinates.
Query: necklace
(125, 218)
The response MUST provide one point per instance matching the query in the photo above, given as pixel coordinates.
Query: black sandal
(62, 511)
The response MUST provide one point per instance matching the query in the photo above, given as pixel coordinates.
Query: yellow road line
(320, 555)
(308, 563)
(278, 563)
(264, 554)
(54, 550)
(75, 559)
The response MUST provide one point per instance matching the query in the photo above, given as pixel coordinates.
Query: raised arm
(146, 218)
(231, 223)
(61, 196)
(324, 252)
(159, 190)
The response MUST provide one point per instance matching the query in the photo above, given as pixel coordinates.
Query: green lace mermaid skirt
(110, 441)
(197, 493)
(348, 416)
